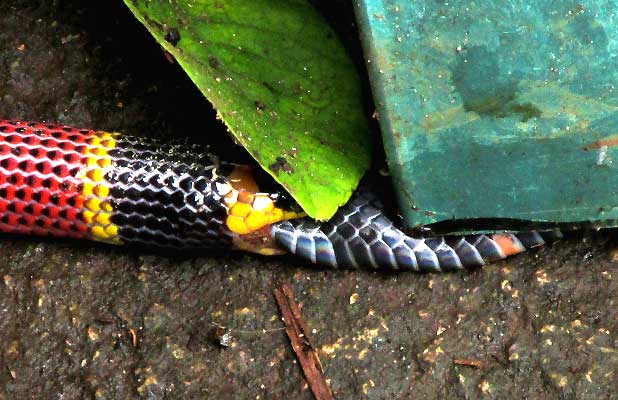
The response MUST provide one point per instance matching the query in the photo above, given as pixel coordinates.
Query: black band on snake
(79, 183)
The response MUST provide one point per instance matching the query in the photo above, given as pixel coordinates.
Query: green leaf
(282, 83)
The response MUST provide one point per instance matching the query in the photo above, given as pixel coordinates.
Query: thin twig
(468, 362)
(297, 332)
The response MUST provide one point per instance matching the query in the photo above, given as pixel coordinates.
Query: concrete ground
(80, 320)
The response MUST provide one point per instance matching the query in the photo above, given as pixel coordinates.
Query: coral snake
(79, 183)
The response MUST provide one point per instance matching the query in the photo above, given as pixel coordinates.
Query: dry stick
(468, 362)
(297, 332)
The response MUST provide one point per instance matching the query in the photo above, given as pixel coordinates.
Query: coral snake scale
(80, 183)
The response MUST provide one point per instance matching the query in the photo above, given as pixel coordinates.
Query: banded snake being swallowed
(79, 183)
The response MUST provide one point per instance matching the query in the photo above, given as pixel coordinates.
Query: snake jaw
(250, 220)
(260, 241)
(253, 211)
(251, 214)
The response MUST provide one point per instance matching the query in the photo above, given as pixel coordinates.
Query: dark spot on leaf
(183, 22)
(260, 105)
(268, 86)
(293, 152)
(281, 165)
(151, 21)
(172, 36)
(214, 62)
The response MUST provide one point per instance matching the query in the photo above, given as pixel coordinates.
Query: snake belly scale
(80, 183)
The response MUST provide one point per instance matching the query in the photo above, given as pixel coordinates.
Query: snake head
(251, 213)
(259, 241)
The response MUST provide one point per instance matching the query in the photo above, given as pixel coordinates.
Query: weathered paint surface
(497, 109)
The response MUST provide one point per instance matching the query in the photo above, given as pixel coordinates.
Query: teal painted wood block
(497, 108)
